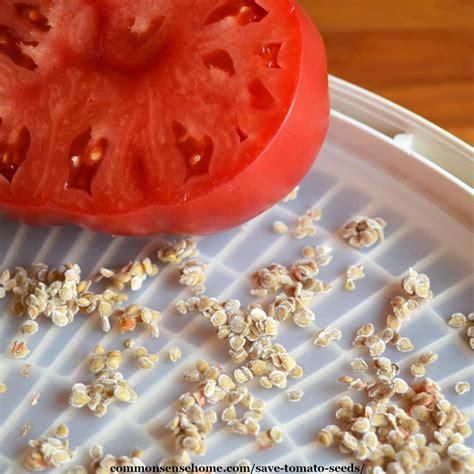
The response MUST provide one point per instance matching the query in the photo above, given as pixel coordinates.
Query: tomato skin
(271, 176)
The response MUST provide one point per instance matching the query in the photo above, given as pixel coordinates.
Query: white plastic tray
(360, 171)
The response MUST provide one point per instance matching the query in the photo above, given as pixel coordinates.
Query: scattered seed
(326, 437)
(359, 365)
(276, 434)
(19, 350)
(29, 327)
(132, 275)
(457, 320)
(295, 395)
(47, 452)
(25, 429)
(144, 359)
(428, 358)
(320, 254)
(349, 285)
(181, 307)
(102, 360)
(174, 353)
(404, 345)
(304, 226)
(191, 425)
(418, 370)
(280, 227)
(138, 453)
(353, 273)
(325, 336)
(364, 232)
(62, 431)
(376, 345)
(3, 387)
(192, 376)
(292, 195)
(102, 463)
(366, 330)
(192, 274)
(297, 372)
(382, 433)
(417, 284)
(107, 388)
(178, 251)
(35, 398)
(462, 387)
(128, 318)
(400, 386)
(25, 370)
(404, 308)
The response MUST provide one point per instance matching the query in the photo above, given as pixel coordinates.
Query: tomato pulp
(142, 117)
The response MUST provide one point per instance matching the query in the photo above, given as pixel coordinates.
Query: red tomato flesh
(150, 116)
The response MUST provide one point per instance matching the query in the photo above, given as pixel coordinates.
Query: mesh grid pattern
(342, 185)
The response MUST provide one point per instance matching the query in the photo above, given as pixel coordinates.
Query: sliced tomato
(149, 116)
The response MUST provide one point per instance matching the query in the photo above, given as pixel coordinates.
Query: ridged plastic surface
(343, 184)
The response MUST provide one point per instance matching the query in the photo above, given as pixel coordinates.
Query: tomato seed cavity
(219, 59)
(13, 153)
(10, 45)
(269, 54)
(242, 135)
(85, 156)
(260, 96)
(196, 151)
(140, 33)
(244, 11)
(31, 14)
(132, 43)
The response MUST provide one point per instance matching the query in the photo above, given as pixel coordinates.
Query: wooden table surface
(417, 53)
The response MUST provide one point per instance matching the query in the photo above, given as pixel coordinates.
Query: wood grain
(417, 53)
